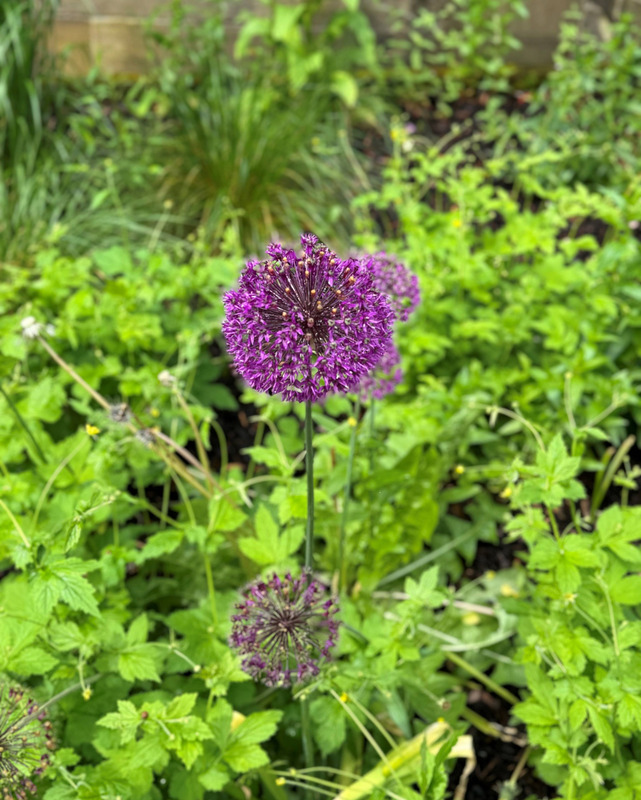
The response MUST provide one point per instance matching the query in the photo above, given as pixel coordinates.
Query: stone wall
(110, 32)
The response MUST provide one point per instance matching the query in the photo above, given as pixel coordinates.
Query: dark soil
(497, 758)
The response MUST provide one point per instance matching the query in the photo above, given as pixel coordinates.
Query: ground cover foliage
(479, 525)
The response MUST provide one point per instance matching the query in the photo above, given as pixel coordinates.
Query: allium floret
(25, 739)
(306, 325)
(384, 378)
(394, 280)
(284, 628)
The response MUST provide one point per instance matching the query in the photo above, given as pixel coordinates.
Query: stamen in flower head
(306, 325)
(25, 739)
(284, 628)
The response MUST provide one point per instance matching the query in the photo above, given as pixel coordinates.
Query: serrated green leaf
(242, 756)
(138, 664)
(258, 727)
(215, 778)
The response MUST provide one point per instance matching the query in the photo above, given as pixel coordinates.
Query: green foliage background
(127, 209)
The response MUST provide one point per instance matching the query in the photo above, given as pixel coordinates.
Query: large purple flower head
(25, 738)
(383, 379)
(284, 628)
(306, 325)
(397, 282)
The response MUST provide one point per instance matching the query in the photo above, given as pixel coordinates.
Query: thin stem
(200, 446)
(81, 685)
(222, 443)
(22, 422)
(211, 589)
(251, 467)
(342, 565)
(16, 524)
(309, 465)
(308, 744)
(483, 678)
(419, 562)
(71, 371)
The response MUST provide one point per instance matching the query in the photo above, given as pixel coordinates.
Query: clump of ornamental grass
(25, 741)
(306, 325)
(284, 628)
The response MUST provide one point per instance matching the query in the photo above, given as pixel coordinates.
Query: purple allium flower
(306, 325)
(385, 376)
(25, 738)
(284, 628)
(397, 282)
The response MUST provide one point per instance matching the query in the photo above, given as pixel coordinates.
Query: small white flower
(31, 328)
(167, 379)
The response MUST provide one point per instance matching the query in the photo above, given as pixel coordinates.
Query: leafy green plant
(580, 631)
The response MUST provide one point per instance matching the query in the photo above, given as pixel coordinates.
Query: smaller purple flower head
(397, 282)
(306, 325)
(284, 628)
(25, 739)
(383, 379)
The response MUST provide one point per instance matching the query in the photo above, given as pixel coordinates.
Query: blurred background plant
(128, 206)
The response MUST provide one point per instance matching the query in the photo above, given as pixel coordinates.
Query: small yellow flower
(92, 430)
(237, 719)
(507, 492)
(441, 720)
(344, 697)
(459, 469)
(490, 575)
(508, 591)
(394, 134)
(168, 205)
(471, 618)
(457, 222)
(569, 598)
(86, 693)
(280, 781)
(154, 412)
(351, 421)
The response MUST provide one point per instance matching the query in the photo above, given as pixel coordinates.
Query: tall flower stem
(342, 565)
(309, 468)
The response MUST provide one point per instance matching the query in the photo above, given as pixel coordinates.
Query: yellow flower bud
(92, 430)
(509, 591)
(344, 697)
(459, 469)
(280, 781)
(86, 694)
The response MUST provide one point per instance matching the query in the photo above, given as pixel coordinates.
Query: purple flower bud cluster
(401, 287)
(306, 325)
(284, 628)
(25, 739)
(398, 283)
(383, 379)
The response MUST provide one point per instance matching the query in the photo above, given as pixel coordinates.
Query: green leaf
(271, 547)
(137, 633)
(533, 713)
(242, 756)
(345, 86)
(258, 727)
(62, 581)
(329, 728)
(602, 727)
(126, 720)
(181, 706)
(215, 778)
(138, 664)
(31, 661)
(627, 591)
